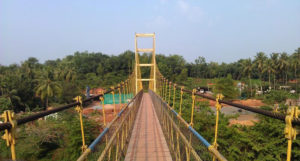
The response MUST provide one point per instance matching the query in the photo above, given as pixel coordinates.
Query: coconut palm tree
(260, 59)
(12, 99)
(2, 84)
(70, 74)
(247, 70)
(274, 62)
(47, 87)
(66, 73)
(283, 65)
(269, 68)
(27, 70)
(295, 64)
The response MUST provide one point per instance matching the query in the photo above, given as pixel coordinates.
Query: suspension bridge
(149, 127)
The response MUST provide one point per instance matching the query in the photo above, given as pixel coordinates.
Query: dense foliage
(31, 84)
(264, 141)
(227, 87)
(55, 138)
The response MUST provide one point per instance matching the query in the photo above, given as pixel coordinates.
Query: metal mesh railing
(112, 143)
(167, 92)
(183, 140)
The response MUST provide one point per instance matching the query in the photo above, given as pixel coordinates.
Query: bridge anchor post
(180, 104)
(120, 95)
(290, 131)
(174, 95)
(78, 109)
(166, 90)
(218, 108)
(123, 90)
(9, 134)
(113, 94)
(169, 98)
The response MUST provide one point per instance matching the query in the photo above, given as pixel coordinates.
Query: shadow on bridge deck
(147, 141)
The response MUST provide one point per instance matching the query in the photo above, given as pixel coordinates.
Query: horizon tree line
(31, 84)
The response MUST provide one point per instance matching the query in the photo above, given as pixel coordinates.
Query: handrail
(199, 137)
(290, 118)
(101, 135)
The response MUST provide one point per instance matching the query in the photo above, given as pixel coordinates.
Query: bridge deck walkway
(147, 142)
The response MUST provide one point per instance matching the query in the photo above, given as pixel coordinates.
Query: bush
(5, 104)
(278, 96)
(227, 87)
(51, 139)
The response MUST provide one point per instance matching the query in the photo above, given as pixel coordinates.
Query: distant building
(95, 91)
(284, 87)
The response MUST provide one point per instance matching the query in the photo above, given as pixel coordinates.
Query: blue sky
(222, 31)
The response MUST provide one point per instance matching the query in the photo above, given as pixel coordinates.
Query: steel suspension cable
(295, 121)
(36, 116)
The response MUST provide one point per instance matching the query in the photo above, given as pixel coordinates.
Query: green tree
(226, 86)
(52, 139)
(182, 76)
(100, 70)
(200, 66)
(274, 60)
(295, 64)
(12, 98)
(268, 67)
(247, 70)
(283, 66)
(47, 87)
(5, 104)
(260, 60)
(65, 72)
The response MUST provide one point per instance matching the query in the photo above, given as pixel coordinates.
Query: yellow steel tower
(152, 79)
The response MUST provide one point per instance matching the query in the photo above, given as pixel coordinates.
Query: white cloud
(192, 13)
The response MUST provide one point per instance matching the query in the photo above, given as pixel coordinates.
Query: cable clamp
(218, 98)
(193, 94)
(290, 132)
(9, 134)
(78, 108)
